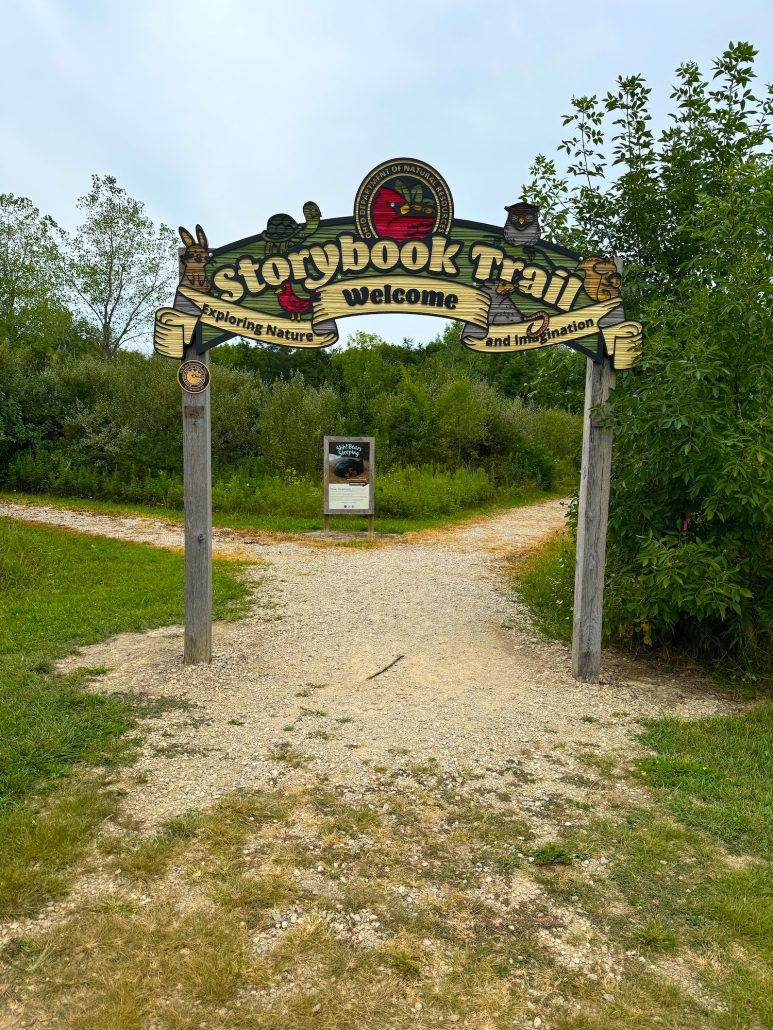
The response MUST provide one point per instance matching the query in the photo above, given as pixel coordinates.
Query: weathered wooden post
(592, 516)
(197, 473)
(592, 523)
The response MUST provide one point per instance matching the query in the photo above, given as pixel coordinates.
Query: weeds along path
(289, 696)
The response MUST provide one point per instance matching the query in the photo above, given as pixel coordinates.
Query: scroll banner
(622, 340)
(174, 328)
(406, 295)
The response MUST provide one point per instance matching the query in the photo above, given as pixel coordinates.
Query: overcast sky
(227, 111)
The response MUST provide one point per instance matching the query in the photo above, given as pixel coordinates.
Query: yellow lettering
(556, 283)
(567, 296)
(385, 255)
(533, 281)
(326, 260)
(298, 262)
(276, 270)
(443, 255)
(354, 254)
(414, 255)
(248, 270)
(226, 282)
(486, 259)
(509, 268)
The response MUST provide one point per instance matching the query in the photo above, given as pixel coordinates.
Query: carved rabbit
(194, 259)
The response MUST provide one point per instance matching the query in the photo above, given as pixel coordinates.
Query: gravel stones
(287, 694)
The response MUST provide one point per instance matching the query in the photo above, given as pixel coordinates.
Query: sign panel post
(400, 251)
(197, 475)
(349, 475)
(592, 515)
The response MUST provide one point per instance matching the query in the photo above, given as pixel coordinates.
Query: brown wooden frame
(371, 511)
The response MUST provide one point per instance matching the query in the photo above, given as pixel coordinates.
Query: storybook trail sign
(401, 251)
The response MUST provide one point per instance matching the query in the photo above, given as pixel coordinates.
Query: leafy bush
(402, 493)
(691, 213)
(293, 421)
(692, 500)
(112, 431)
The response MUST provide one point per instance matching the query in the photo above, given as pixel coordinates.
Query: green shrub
(692, 495)
(689, 207)
(294, 419)
(414, 492)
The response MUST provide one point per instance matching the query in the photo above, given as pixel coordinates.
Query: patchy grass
(63, 590)
(716, 775)
(302, 909)
(654, 936)
(413, 905)
(543, 579)
(287, 754)
(41, 842)
(552, 854)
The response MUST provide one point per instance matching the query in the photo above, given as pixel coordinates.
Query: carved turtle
(282, 231)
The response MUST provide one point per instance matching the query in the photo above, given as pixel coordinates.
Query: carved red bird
(288, 300)
(396, 218)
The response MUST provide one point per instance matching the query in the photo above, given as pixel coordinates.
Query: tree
(293, 422)
(32, 307)
(119, 266)
(690, 211)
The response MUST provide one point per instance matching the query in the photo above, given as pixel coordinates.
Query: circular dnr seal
(403, 200)
(193, 376)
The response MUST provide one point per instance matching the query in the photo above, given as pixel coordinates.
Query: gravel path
(288, 695)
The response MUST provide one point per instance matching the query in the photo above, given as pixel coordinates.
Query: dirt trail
(288, 694)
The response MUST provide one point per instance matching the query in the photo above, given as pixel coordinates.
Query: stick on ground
(396, 660)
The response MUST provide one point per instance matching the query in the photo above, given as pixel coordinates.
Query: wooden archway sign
(401, 251)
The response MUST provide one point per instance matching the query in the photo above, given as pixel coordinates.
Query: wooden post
(371, 520)
(197, 475)
(592, 525)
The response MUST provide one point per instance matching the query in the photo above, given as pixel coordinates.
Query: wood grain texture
(592, 526)
(197, 473)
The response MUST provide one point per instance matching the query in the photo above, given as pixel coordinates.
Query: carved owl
(522, 225)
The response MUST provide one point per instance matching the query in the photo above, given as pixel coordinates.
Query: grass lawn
(518, 497)
(424, 905)
(62, 590)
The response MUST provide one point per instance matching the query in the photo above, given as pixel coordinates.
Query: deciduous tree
(120, 267)
(32, 306)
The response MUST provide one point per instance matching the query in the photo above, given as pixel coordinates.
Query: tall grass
(400, 492)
